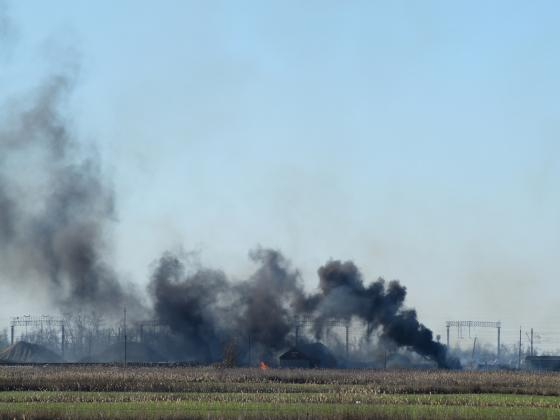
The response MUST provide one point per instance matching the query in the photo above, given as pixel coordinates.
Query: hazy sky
(418, 138)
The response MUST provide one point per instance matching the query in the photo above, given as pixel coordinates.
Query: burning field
(190, 339)
(54, 229)
(204, 308)
(56, 224)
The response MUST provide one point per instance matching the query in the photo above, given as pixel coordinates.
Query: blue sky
(418, 138)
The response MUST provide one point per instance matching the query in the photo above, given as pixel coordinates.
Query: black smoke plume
(207, 310)
(190, 304)
(344, 296)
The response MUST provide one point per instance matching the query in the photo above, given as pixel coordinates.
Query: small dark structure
(23, 352)
(294, 358)
(543, 362)
(315, 355)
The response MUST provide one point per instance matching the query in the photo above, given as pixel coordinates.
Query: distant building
(294, 358)
(315, 355)
(543, 362)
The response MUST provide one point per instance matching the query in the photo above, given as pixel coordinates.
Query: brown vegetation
(208, 379)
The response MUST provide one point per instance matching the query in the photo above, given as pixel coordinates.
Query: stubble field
(202, 392)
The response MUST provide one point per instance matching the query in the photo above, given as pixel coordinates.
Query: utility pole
(347, 352)
(250, 351)
(498, 345)
(124, 326)
(519, 357)
(385, 360)
(473, 347)
(62, 339)
(532, 354)
(473, 324)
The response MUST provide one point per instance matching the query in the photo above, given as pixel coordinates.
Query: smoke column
(344, 296)
(55, 208)
(206, 309)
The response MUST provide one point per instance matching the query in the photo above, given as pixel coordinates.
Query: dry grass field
(196, 392)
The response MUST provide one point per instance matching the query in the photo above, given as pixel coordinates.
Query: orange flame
(263, 365)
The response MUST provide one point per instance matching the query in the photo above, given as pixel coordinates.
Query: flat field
(157, 392)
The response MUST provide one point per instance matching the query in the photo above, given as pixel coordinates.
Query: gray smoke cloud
(190, 304)
(55, 207)
(207, 309)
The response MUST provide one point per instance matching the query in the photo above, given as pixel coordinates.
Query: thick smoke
(55, 208)
(344, 296)
(190, 304)
(56, 212)
(269, 298)
(206, 309)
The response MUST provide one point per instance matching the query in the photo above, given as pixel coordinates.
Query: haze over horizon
(419, 141)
